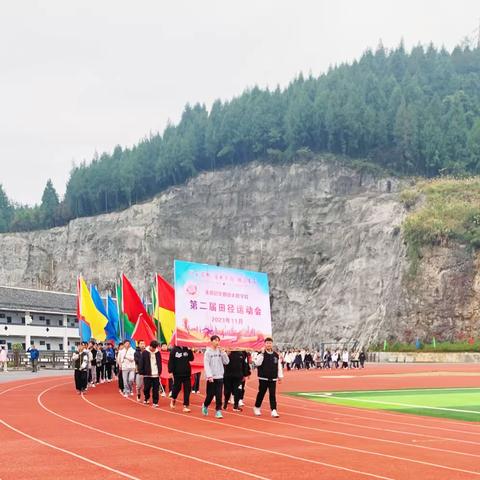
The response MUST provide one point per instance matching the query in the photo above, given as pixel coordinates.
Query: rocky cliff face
(328, 237)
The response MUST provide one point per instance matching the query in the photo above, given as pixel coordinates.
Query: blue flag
(84, 330)
(113, 326)
(97, 300)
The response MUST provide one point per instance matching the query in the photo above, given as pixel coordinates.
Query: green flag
(126, 327)
(434, 343)
(160, 335)
(384, 345)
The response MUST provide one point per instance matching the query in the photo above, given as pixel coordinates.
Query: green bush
(451, 212)
(464, 346)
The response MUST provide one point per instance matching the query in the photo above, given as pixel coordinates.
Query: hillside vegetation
(449, 210)
(414, 113)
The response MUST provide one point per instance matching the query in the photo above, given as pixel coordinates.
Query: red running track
(47, 431)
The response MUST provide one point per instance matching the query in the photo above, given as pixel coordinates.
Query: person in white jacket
(126, 361)
(3, 359)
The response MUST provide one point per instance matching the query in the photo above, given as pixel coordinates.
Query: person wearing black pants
(235, 372)
(214, 361)
(179, 367)
(81, 365)
(269, 372)
(110, 361)
(150, 366)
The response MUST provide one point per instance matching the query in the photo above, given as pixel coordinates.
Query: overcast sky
(83, 76)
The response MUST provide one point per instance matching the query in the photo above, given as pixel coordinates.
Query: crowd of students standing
(139, 373)
(304, 358)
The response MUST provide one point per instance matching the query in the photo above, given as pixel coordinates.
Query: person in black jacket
(269, 371)
(236, 370)
(81, 365)
(179, 367)
(150, 366)
(138, 377)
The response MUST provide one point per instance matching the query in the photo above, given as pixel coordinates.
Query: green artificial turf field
(454, 403)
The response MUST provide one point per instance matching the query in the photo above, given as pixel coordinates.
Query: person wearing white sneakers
(270, 371)
(126, 361)
(3, 359)
(179, 367)
(150, 366)
(214, 361)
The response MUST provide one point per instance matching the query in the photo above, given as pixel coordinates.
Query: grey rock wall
(328, 237)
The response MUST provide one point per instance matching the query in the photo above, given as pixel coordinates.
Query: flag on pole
(133, 307)
(142, 330)
(165, 307)
(112, 328)
(84, 330)
(125, 326)
(160, 337)
(384, 345)
(90, 314)
(434, 343)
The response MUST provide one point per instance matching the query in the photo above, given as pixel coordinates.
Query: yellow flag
(167, 321)
(90, 314)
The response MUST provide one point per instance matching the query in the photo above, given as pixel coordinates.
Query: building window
(23, 320)
(2, 315)
(60, 346)
(41, 318)
(9, 319)
(60, 323)
(48, 346)
(42, 342)
(23, 346)
(47, 321)
(9, 346)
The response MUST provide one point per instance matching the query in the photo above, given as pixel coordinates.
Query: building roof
(37, 301)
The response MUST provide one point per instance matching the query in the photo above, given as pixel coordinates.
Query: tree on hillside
(6, 211)
(49, 206)
(414, 113)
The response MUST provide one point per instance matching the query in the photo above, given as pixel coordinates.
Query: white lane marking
(449, 389)
(430, 422)
(68, 452)
(144, 444)
(398, 404)
(332, 445)
(270, 452)
(349, 424)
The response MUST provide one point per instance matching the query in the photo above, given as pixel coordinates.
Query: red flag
(166, 294)
(133, 306)
(142, 331)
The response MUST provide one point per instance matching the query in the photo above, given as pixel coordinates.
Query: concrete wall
(424, 357)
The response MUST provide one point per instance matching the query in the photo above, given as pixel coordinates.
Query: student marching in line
(81, 365)
(119, 367)
(166, 383)
(150, 366)
(101, 359)
(269, 372)
(179, 367)
(109, 362)
(126, 361)
(214, 361)
(138, 378)
(236, 370)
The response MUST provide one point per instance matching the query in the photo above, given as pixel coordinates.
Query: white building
(44, 318)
